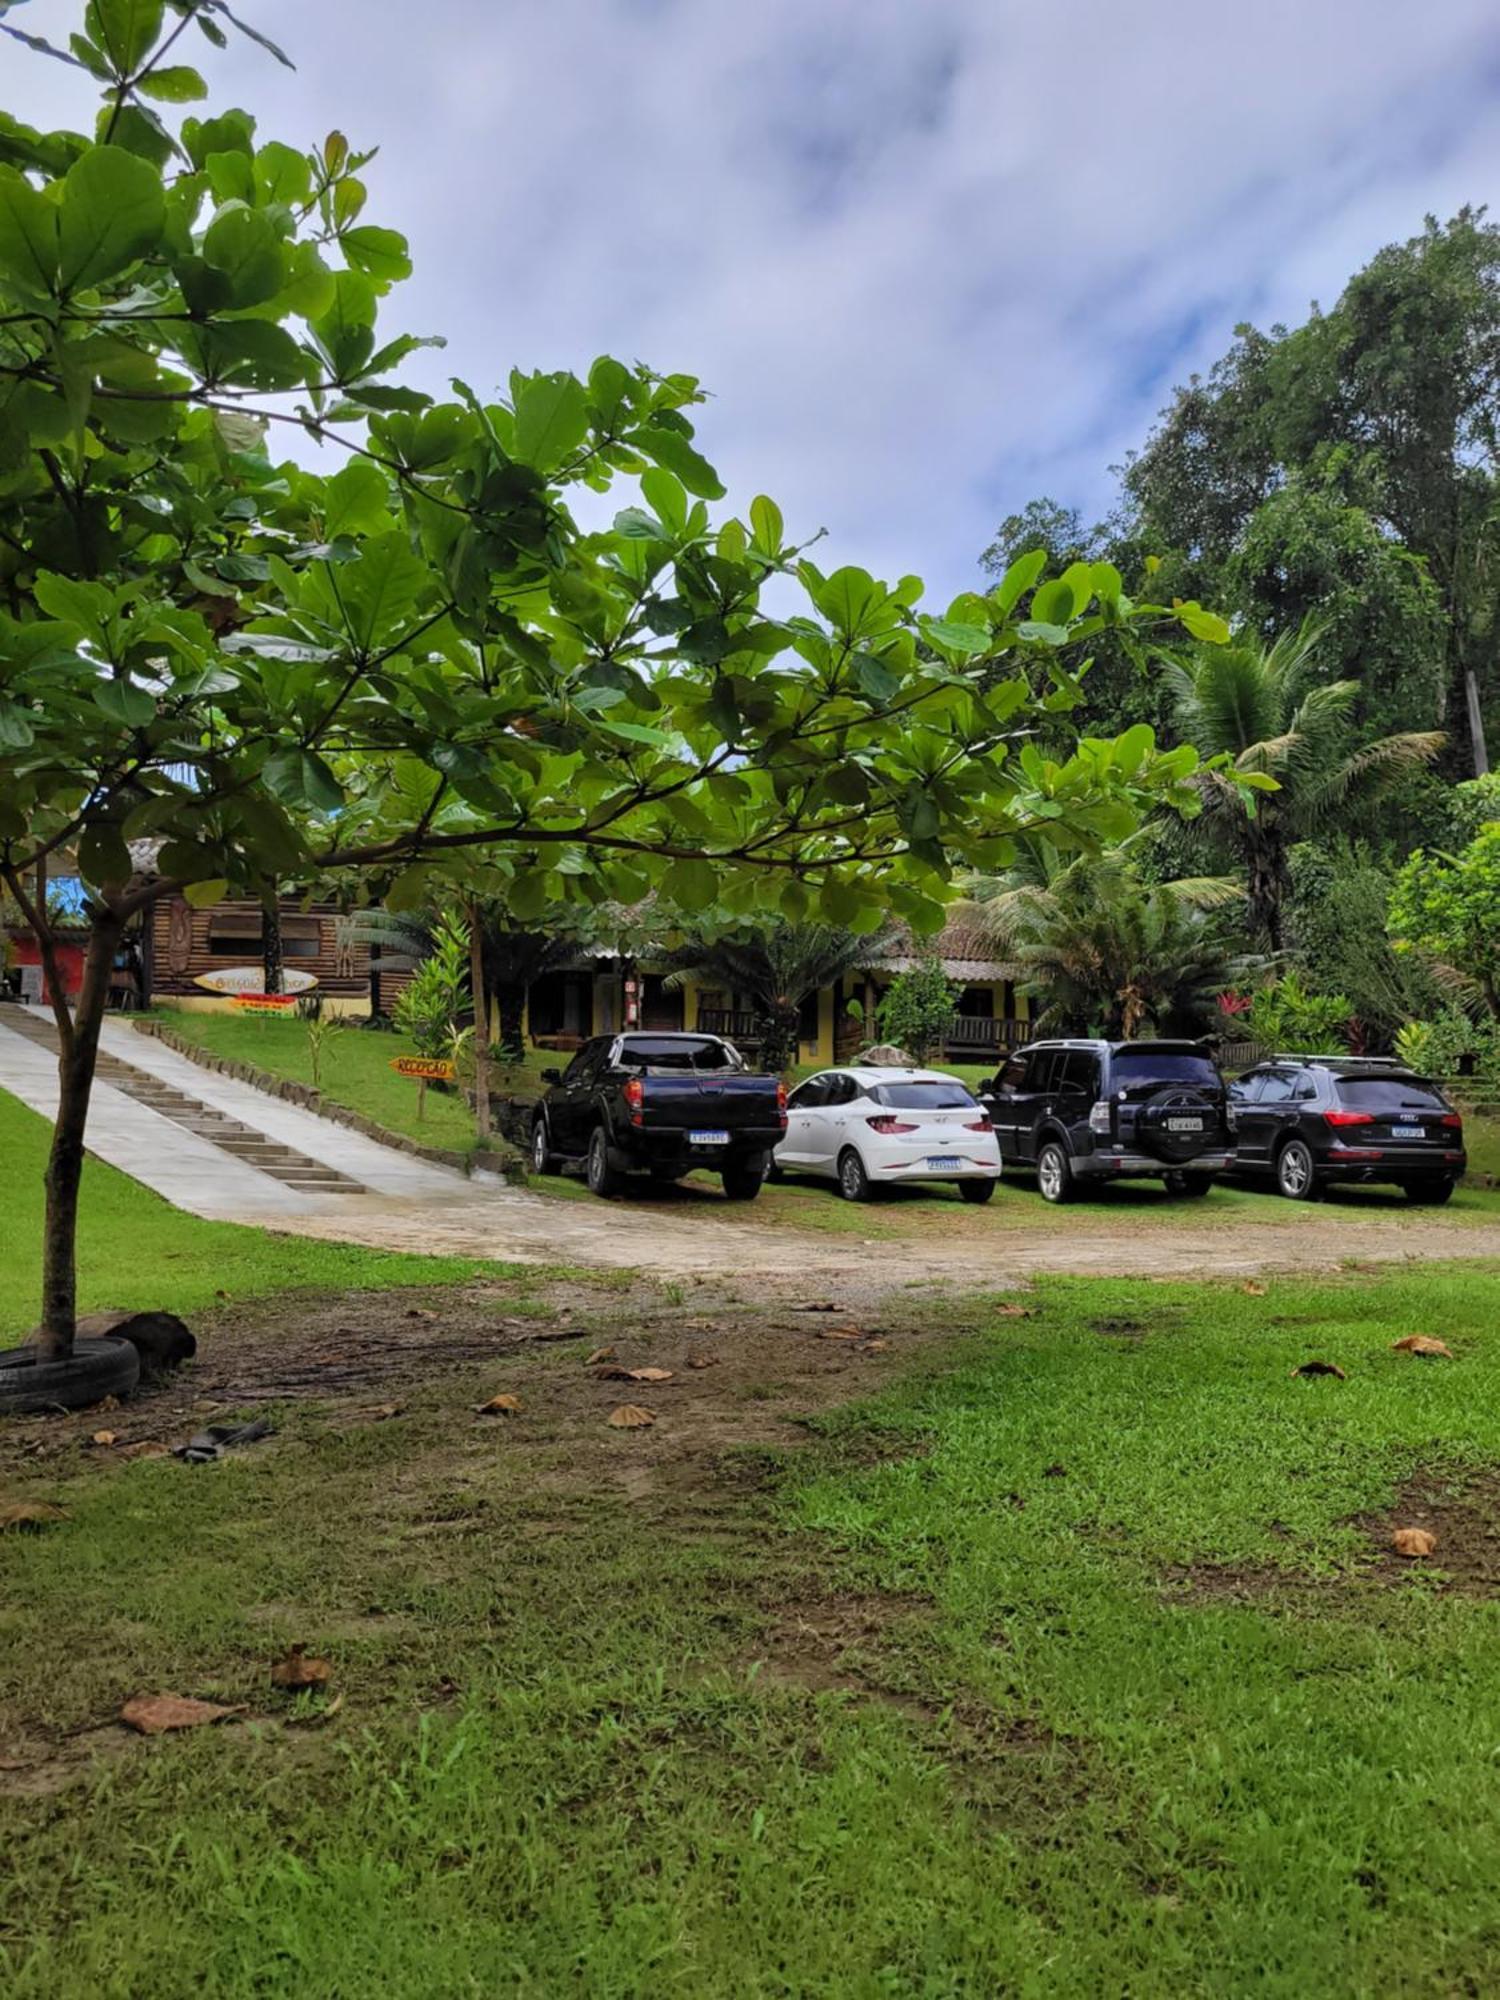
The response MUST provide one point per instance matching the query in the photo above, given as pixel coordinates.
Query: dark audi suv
(1308, 1121)
(1079, 1113)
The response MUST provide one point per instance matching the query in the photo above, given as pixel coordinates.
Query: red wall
(70, 956)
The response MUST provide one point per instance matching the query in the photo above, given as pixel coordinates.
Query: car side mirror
(551, 1076)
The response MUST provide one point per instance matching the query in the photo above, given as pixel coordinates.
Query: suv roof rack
(1344, 1062)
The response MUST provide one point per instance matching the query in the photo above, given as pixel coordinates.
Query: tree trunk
(270, 942)
(75, 1073)
(1268, 885)
(1479, 748)
(481, 1027)
(512, 999)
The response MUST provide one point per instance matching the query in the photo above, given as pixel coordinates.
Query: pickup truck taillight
(1099, 1116)
(887, 1126)
(634, 1094)
(781, 1105)
(1349, 1117)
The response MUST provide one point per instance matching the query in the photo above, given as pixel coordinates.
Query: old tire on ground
(976, 1191)
(1054, 1173)
(161, 1339)
(603, 1178)
(1296, 1177)
(95, 1369)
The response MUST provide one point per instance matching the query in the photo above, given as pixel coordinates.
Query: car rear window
(1390, 1093)
(921, 1096)
(1136, 1066)
(677, 1052)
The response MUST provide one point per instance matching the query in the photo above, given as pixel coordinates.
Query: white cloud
(931, 256)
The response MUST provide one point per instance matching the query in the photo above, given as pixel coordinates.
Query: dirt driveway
(796, 1236)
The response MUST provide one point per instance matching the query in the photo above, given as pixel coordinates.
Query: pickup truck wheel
(603, 1179)
(1054, 1173)
(976, 1191)
(743, 1178)
(543, 1159)
(854, 1182)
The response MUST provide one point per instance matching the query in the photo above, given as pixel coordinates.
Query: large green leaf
(177, 85)
(28, 232)
(671, 449)
(552, 419)
(113, 212)
(124, 703)
(126, 30)
(380, 253)
(301, 778)
(244, 248)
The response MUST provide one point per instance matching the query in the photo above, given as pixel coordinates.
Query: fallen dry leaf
(104, 1437)
(1413, 1542)
(1252, 1290)
(420, 1312)
(839, 1333)
(109, 1403)
(635, 1374)
(500, 1406)
(1012, 1312)
(631, 1417)
(1320, 1368)
(29, 1517)
(297, 1671)
(1423, 1343)
(875, 1346)
(147, 1448)
(379, 1412)
(698, 1360)
(155, 1714)
(599, 1354)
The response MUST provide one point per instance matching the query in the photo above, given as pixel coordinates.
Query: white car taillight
(1099, 1116)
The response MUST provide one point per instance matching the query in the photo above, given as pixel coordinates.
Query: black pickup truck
(660, 1104)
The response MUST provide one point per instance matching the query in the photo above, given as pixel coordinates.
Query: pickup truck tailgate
(681, 1101)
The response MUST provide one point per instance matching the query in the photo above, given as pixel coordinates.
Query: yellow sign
(427, 1069)
(263, 1003)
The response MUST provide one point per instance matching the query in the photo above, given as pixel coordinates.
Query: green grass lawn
(1060, 1668)
(135, 1250)
(356, 1070)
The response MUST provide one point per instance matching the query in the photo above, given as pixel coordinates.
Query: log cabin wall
(186, 943)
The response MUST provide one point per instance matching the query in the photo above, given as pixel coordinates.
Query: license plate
(1407, 1132)
(944, 1162)
(1184, 1124)
(708, 1138)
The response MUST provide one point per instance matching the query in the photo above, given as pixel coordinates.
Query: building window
(232, 936)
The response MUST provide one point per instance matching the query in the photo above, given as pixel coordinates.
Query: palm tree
(1105, 950)
(1262, 709)
(779, 965)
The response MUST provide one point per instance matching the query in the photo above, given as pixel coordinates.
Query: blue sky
(932, 257)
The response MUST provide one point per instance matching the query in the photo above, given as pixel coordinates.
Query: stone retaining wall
(512, 1114)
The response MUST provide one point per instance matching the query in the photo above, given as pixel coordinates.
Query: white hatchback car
(869, 1128)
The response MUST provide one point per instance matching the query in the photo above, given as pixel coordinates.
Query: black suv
(1308, 1121)
(1080, 1112)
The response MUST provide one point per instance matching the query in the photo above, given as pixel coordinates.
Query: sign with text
(263, 1003)
(426, 1069)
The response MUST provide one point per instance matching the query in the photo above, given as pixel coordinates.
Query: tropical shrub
(1448, 907)
(1285, 1015)
(429, 1005)
(917, 1007)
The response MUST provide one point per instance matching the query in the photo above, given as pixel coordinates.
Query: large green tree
(417, 677)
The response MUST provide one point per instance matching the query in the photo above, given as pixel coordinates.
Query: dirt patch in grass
(1463, 1512)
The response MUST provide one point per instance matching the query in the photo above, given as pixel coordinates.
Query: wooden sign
(426, 1069)
(263, 1003)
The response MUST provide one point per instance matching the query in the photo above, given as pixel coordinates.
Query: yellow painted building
(601, 993)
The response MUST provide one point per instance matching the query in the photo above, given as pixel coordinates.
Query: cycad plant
(1263, 708)
(1100, 949)
(778, 965)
